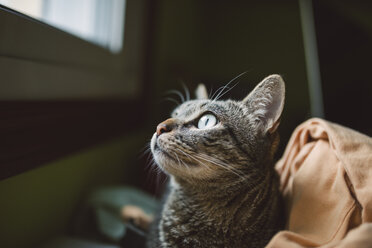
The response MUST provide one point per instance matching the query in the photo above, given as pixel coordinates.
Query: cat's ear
(266, 102)
(201, 92)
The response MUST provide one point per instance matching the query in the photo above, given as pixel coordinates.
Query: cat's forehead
(193, 108)
(189, 108)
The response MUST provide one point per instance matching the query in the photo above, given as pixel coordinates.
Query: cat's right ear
(266, 103)
(201, 92)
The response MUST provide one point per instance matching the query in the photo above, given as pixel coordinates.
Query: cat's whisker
(243, 177)
(192, 157)
(146, 150)
(210, 96)
(177, 93)
(152, 166)
(227, 91)
(153, 174)
(150, 163)
(188, 155)
(226, 86)
(172, 100)
(162, 178)
(217, 92)
(187, 167)
(220, 163)
(187, 92)
(195, 157)
(224, 166)
(179, 161)
(154, 170)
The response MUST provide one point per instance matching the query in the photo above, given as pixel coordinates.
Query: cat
(224, 191)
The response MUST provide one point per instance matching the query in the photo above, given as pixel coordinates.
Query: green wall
(39, 204)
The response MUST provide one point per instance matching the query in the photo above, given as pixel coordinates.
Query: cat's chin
(163, 159)
(171, 164)
(161, 155)
(167, 163)
(172, 167)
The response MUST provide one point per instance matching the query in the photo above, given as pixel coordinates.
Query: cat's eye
(207, 121)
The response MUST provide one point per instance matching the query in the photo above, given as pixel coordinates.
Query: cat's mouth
(156, 146)
(165, 157)
(158, 150)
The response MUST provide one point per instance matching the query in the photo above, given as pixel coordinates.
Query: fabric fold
(326, 182)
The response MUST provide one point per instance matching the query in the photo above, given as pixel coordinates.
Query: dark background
(344, 33)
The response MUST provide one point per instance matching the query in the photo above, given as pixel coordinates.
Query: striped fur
(224, 190)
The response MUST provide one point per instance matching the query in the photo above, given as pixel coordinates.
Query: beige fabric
(326, 180)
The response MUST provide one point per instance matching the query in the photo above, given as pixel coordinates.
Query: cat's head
(206, 139)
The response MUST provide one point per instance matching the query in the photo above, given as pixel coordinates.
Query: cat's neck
(232, 213)
(226, 199)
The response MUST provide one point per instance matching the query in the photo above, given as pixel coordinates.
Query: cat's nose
(166, 126)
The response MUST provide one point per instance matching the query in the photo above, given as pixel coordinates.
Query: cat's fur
(224, 190)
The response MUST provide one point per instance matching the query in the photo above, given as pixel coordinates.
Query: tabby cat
(219, 155)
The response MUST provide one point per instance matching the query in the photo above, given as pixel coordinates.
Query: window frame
(83, 69)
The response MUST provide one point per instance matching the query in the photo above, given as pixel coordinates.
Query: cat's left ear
(201, 92)
(266, 102)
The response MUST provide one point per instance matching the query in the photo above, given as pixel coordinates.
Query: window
(97, 21)
(39, 61)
